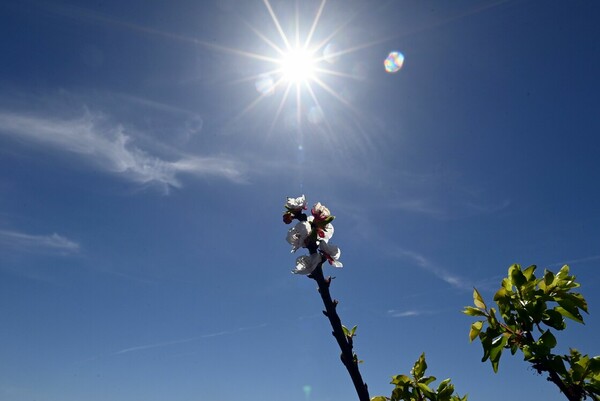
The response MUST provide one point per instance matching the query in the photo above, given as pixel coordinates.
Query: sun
(298, 66)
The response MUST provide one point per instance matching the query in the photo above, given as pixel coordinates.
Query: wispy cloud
(29, 242)
(369, 232)
(417, 206)
(442, 209)
(578, 260)
(438, 271)
(406, 313)
(187, 340)
(110, 148)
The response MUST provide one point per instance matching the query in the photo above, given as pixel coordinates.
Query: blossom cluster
(312, 232)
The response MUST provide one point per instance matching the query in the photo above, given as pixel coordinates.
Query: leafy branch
(417, 387)
(530, 308)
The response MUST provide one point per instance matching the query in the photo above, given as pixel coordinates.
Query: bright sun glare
(301, 63)
(298, 65)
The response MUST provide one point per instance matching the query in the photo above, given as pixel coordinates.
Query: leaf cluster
(417, 387)
(530, 308)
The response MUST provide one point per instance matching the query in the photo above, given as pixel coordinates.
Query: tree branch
(348, 358)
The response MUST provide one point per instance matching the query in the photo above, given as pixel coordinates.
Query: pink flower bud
(288, 217)
(320, 212)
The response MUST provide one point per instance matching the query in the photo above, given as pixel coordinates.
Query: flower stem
(345, 342)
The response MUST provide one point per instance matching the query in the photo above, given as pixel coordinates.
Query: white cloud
(187, 340)
(408, 313)
(437, 271)
(29, 242)
(107, 146)
(576, 261)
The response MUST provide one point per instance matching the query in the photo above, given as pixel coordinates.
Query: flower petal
(332, 253)
(296, 204)
(306, 264)
(298, 234)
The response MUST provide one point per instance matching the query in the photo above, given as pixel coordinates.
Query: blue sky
(143, 176)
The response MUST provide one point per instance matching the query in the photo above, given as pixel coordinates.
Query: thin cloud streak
(408, 313)
(31, 242)
(579, 260)
(111, 149)
(427, 206)
(370, 233)
(187, 340)
(437, 271)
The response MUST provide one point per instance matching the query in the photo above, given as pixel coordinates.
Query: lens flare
(265, 85)
(331, 53)
(315, 115)
(394, 61)
(307, 390)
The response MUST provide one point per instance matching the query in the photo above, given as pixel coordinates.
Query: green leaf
(400, 379)
(492, 320)
(517, 277)
(547, 341)
(507, 284)
(471, 311)
(554, 319)
(567, 309)
(478, 300)
(419, 368)
(528, 273)
(443, 384)
(345, 330)
(574, 298)
(594, 365)
(379, 398)
(502, 293)
(536, 310)
(527, 353)
(475, 329)
(514, 347)
(496, 351)
(556, 363)
(328, 220)
(563, 273)
(445, 392)
(425, 389)
(397, 394)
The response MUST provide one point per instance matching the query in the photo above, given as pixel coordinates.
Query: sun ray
(298, 104)
(335, 73)
(254, 77)
(333, 93)
(297, 44)
(254, 103)
(238, 52)
(265, 39)
(337, 30)
(316, 100)
(314, 24)
(276, 22)
(279, 108)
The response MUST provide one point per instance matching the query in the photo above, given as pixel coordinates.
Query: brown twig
(345, 342)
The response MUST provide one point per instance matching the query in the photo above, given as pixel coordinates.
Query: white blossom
(326, 232)
(331, 252)
(306, 264)
(298, 234)
(296, 204)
